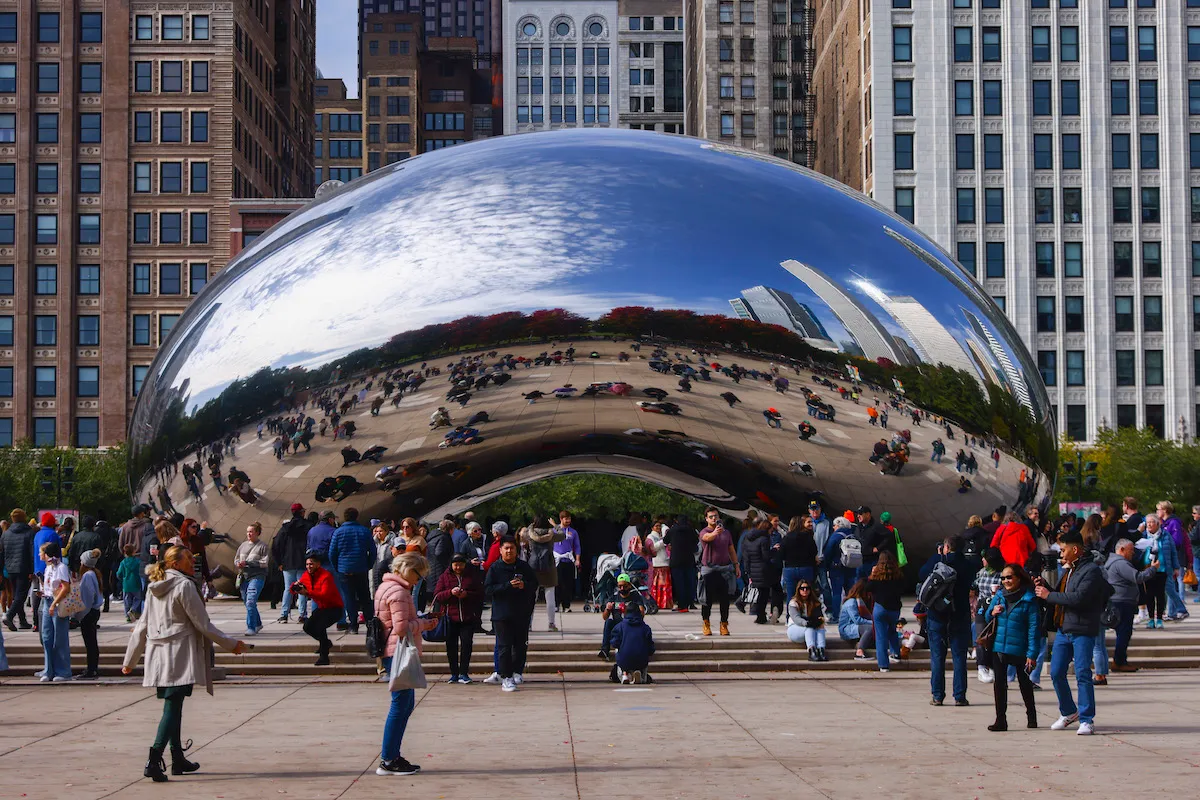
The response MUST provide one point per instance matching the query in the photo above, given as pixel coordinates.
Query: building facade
(650, 64)
(561, 64)
(339, 140)
(391, 92)
(1084, 228)
(125, 131)
(748, 68)
(474, 19)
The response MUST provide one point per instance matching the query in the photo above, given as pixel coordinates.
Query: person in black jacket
(683, 540)
(756, 552)
(1076, 608)
(874, 537)
(950, 628)
(289, 550)
(512, 587)
(17, 550)
(438, 551)
(110, 557)
(85, 540)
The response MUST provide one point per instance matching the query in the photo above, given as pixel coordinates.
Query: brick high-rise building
(390, 56)
(125, 130)
(475, 19)
(449, 85)
(339, 145)
(650, 64)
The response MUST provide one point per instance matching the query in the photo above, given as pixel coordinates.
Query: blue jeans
(401, 709)
(1074, 648)
(251, 588)
(290, 576)
(955, 633)
(56, 644)
(791, 578)
(1196, 569)
(1175, 595)
(886, 638)
(840, 581)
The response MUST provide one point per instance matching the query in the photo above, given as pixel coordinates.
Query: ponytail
(158, 570)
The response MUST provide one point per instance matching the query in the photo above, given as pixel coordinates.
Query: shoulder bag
(71, 604)
(987, 635)
(406, 672)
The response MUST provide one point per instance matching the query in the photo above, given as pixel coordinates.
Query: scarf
(1013, 597)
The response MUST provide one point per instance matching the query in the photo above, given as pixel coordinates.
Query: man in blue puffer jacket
(352, 553)
(1015, 609)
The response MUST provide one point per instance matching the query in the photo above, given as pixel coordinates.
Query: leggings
(87, 630)
(566, 584)
(1000, 687)
(1156, 596)
(171, 723)
(460, 640)
(715, 589)
(866, 638)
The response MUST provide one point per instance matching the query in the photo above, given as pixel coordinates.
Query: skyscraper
(777, 307)
(1016, 382)
(1050, 148)
(858, 321)
(928, 336)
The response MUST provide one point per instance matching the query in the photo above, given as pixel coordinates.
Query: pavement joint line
(570, 737)
(73, 727)
(712, 699)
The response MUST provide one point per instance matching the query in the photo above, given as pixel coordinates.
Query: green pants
(170, 726)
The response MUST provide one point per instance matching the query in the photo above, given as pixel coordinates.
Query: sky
(337, 41)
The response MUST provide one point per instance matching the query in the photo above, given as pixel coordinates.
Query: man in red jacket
(1014, 540)
(317, 583)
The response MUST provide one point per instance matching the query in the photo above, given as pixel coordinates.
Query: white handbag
(406, 672)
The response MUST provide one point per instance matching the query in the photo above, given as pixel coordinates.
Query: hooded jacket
(541, 553)
(290, 544)
(133, 532)
(83, 541)
(17, 546)
(395, 608)
(1183, 546)
(1015, 543)
(469, 607)
(40, 538)
(174, 631)
(439, 549)
(634, 642)
(1017, 626)
(756, 554)
(1124, 577)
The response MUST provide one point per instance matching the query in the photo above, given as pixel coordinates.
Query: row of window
(1041, 46)
(87, 431)
(591, 114)
(91, 80)
(338, 123)
(1152, 314)
(45, 282)
(445, 122)
(46, 180)
(46, 229)
(567, 85)
(781, 51)
(392, 81)
(779, 12)
(1044, 264)
(562, 56)
(647, 23)
(49, 27)
(338, 148)
(1125, 372)
(396, 47)
(343, 174)
(170, 227)
(170, 76)
(170, 177)
(170, 28)
(1042, 98)
(1046, 4)
(170, 126)
(779, 124)
(397, 105)
(46, 128)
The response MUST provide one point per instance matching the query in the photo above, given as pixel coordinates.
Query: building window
(89, 279)
(1126, 368)
(91, 28)
(747, 83)
(7, 230)
(45, 330)
(902, 98)
(47, 179)
(964, 50)
(1148, 98)
(1043, 259)
(1119, 98)
(1122, 204)
(169, 279)
(8, 78)
(1043, 206)
(966, 205)
(993, 151)
(1045, 315)
(87, 330)
(139, 377)
(47, 229)
(725, 83)
(1075, 368)
(1070, 98)
(991, 44)
(727, 124)
(993, 206)
(197, 278)
(170, 228)
(966, 257)
(1152, 313)
(199, 177)
(902, 44)
(199, 126)
(1043, 151)
(964, 98)
(1121, 158)
(1122, 259)
(1043, 102)
(6, 330)
(1150, 207)
(1073, 314)
(1147, 43)
(904, 151)
(1073, 259)
(44, 429)
(1193, 149)
(1123, 310)
(199, 76)
(964, 151)
(1118, 43)
(993, 99)
(905, 204)
(199, 227)
(748, 125)
(87, 431)
(1068, 43)
(172, 76)
(1072, 200)
(1071, 156)
(143, 27)
(47, 78)
(1154, 368)
(45, 381)
(89, 229)
(170, 176)
(1047, 361)
(1151, 259)
(172, 126)
(1041, 45)
(143, 76)
(141, 279)
(166, 322)
(141, 330)
(143, 127)
(200, 27)
(1193, 43)
(47, 28)
(172, 27)
(89, 78)
(994, 253)
(747, 49)
(47, 129)
(87, 381)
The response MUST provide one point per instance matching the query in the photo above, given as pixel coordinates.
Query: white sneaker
(625, 678)
(493, 678)
(893, 659)
(1062, 722)
(59, 679)
(1085, 729)
(44, 679)
(518, 678)
(509, 686)
(251, 632)
(986, 675)
(971, 654)
(885, 670)
(1142, 616)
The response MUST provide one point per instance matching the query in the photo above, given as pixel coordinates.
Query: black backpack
(935, 591)
(376, 641)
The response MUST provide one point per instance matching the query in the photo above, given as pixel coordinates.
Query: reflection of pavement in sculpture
(923, 500)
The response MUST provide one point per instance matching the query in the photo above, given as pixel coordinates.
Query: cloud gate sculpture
(726, 325)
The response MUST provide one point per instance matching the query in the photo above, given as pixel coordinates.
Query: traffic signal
(47, 479)
(68, 479)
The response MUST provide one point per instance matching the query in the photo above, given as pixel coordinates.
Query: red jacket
(1015, 542)
(493, 555)
(322, 589)
(468, 608)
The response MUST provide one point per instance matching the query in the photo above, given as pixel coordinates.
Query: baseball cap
(863, 510)
(297, 507)
(813, 504)
(624, 577)
(328, 515)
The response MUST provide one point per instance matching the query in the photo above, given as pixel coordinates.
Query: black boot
(156, 768)
(812, 654)
(821, 654)
(179, 763)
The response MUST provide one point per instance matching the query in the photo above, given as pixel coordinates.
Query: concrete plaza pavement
(834, 735)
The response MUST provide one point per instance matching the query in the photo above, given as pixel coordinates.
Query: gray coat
(1084, 597)
(541, 553)
(1124, 577)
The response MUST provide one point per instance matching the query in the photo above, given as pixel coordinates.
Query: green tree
(100, 482)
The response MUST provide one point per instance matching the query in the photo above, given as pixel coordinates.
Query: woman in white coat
(175, 632)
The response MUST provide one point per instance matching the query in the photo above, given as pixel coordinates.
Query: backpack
(934, 591)
(851, 552)
(376, 640)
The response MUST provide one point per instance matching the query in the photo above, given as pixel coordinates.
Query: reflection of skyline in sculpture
(860, 323)
(933, 343)
(1016, 382)
(983, 361)
(777, 307)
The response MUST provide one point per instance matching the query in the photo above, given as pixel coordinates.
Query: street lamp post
(57, 479)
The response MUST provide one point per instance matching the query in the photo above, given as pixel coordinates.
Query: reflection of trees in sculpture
(940, 389)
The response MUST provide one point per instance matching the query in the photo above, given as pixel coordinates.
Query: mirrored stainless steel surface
(554, 282)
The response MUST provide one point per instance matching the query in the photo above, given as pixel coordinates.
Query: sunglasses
(804, 588)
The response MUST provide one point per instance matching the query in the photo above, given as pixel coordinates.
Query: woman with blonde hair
(175, 633)
(395, 609)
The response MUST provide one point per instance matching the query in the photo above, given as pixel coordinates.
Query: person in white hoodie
(176, 635)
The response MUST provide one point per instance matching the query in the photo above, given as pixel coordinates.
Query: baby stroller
(604, 584)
